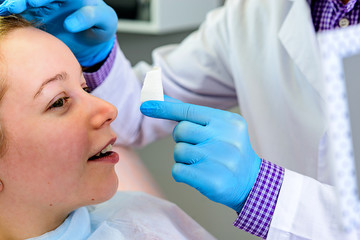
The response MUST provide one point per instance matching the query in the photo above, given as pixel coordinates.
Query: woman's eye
(87, 89)
(59, 103)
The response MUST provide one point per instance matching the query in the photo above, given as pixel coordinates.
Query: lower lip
(113, 158)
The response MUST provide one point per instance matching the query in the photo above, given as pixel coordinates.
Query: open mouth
(103, 153)
(100, 156)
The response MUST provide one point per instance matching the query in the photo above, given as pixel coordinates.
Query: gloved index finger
(178, 111)
(12, 7)
(8, 7)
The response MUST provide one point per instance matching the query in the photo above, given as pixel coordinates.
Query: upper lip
(112, 142)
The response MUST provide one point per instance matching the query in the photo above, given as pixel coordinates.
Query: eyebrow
(58, 77)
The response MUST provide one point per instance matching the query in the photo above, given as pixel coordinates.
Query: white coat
(262, 55)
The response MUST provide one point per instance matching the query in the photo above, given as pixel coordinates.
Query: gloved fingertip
(80, 20)
(71, 24)
(187, 174)
(176, 172)
(147, 108)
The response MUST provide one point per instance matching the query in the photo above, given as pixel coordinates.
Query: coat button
(344, 22)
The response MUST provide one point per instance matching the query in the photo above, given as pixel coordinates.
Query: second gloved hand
(213, 152)
(87, 27)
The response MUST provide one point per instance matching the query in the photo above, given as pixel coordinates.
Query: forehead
(31, 55)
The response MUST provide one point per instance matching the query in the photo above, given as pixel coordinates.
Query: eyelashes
(64, 101)
(61, 102)
(87, 89)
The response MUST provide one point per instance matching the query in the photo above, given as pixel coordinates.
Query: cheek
(71, 144)
(49, 165)
(49, 152)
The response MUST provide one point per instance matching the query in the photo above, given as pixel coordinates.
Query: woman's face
(52, 127)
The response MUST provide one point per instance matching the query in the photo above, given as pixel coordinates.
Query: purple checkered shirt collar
(327, 14)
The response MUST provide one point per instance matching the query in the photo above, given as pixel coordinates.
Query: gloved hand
(212, 153)
(87, 27)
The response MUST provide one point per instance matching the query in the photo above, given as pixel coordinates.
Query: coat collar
(298, 37)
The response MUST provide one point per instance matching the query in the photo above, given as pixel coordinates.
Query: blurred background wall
(158, 156)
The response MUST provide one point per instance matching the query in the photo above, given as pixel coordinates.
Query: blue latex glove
(212, 153)
(87, 27)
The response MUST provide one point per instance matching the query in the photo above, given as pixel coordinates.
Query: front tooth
(108, 148)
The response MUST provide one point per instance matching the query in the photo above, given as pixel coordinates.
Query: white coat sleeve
(306, 209)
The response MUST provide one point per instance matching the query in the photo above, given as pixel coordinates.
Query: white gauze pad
(152, 88)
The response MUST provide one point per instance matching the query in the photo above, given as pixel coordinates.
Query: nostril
(103, 112)
(109, 120)
(110, 114)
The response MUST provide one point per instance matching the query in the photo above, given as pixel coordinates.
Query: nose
(103, 112)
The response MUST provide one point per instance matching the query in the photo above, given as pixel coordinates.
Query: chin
(105, 191)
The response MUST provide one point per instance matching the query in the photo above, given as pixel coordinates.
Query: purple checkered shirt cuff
(255, 216)
(94, 79)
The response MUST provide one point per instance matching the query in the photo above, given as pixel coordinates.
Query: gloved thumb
(101, 17)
